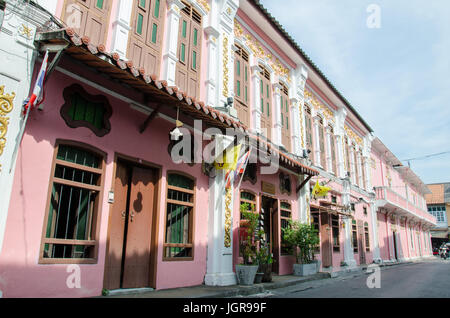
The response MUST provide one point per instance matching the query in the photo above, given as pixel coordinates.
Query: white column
(169, 54)
(340, 116)
(121, 28)
(219, 266)
(256, 98)
(299, 92)
(375, 237)
(349, 257)
(212, 97)
(276, 102)
(359, 167)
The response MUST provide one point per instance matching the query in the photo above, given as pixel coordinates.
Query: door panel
(325, 233)
(138, 246)
(116, 229)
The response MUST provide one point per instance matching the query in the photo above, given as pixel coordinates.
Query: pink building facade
(98, 193)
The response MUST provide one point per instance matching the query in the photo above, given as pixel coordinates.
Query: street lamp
(2, 11)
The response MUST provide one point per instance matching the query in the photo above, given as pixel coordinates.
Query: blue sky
(396, 76)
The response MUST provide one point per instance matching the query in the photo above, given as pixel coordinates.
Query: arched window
(70, 226)
(286, 217)
(308, 132)
(322, 144)
(354, 237)
(366, 235)
(189, 51)
(145, 44)
(333, 167)
(249, 200)
(178, 241)
(266, 102)
(241, 85)
(335, 232)
(285, 117)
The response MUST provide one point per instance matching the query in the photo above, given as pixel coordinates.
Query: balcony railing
(387, 194)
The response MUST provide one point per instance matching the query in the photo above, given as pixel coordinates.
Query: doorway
(130, 260)
(394, 236)
(270, 223)
(325, 238)
(361, 247)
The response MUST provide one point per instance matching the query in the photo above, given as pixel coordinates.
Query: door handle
(124, 213)
(131, 216)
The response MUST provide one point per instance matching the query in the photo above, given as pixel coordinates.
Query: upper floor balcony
(388, 198)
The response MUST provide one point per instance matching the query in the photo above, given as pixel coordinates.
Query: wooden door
(88, 18)
(325, 235)
(276, 234)
(130, 232)
(113, 267)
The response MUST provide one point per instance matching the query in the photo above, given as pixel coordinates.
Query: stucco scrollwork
(6, 106)
(228, 199)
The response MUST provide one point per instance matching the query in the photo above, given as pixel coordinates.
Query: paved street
(429, 279)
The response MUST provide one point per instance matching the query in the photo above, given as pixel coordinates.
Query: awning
(125, 72)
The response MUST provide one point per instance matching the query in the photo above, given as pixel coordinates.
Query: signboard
(268, 188)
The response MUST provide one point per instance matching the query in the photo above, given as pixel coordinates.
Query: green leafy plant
(263, 256)
(248, 244)
(304, 237)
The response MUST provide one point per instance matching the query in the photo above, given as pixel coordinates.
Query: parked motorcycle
(444, 252)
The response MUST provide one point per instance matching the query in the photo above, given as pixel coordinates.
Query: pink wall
(20, 273)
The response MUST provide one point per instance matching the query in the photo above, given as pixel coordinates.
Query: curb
(261, 288)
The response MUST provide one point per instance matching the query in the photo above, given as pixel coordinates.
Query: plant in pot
(246, 272)
(303, 238)
(265, 260)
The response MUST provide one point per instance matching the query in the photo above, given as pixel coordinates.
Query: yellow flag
(320, 191)
(229, 160)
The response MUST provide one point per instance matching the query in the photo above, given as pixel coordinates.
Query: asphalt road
(429, 279)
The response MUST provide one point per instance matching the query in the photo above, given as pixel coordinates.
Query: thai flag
(231, 175)
(240, 167)
(39, 86)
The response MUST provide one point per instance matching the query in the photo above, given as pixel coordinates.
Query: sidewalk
(203, 291)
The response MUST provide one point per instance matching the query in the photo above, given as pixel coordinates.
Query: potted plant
(246, 272)
(265, 260)
(303, 238)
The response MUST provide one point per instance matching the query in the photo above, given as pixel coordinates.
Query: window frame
(191, 218)
(97, 213)
(367, 236)
(355, 237)
(334, 227)
(287, 219)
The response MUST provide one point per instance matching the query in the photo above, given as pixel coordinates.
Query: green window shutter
(267, 88)
(268, 109)
(195, 37)
(157, 4)
(184, 28)
(140, 23)
(154, 32)
(238, 88)
(183, 53)
(82, 110)
(194, 60)
(238, 63)
(262, 105)
(100, 4)
(246, 96)
(142, 3)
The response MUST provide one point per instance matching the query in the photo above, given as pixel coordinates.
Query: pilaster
(219, 266)
(169, 54)
(121, 28)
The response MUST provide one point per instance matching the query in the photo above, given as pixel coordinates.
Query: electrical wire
(428, 156)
